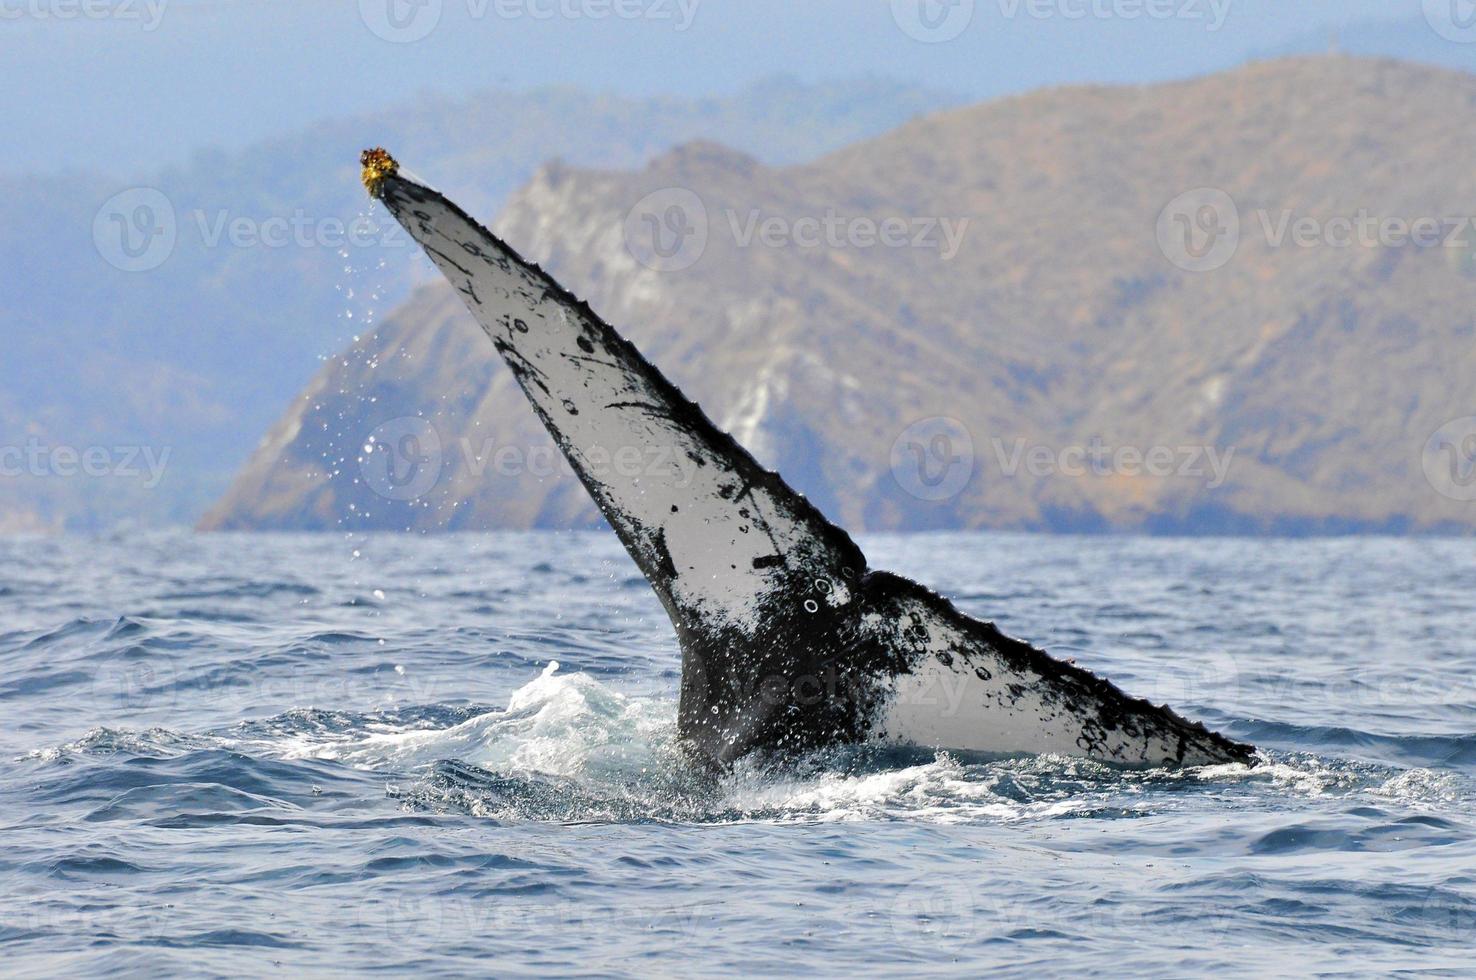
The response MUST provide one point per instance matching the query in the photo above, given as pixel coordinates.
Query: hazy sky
(123, 87)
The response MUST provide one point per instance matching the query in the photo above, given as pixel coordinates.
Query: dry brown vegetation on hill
(1316, 352)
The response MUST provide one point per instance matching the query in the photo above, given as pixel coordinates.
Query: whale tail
(789, 641)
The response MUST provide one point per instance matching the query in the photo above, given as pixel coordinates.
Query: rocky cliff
(1243, 303)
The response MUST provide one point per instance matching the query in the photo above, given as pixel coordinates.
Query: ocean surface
(239, 755)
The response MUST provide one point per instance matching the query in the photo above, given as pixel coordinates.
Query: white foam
(615, 757)
(1420, 788)
(566, 725)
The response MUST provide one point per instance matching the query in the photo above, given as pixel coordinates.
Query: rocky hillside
(190, 338)
(1240, 303)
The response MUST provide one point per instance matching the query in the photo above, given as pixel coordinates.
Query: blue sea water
(239, 755)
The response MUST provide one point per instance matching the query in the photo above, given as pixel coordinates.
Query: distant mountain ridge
(1154, 320)
(195, 348)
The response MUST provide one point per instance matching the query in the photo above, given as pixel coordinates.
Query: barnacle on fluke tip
(378, 164)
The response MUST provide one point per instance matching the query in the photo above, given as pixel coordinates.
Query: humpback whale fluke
(789, 640)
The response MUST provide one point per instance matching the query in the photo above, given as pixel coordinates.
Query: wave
(1455, 750)
(568, 748)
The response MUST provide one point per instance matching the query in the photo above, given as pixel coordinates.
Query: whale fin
(788, 640)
